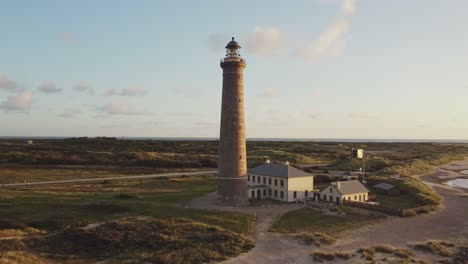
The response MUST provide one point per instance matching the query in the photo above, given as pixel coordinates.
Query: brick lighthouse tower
(232, 164)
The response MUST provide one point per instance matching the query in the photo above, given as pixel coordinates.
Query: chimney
(338, 185)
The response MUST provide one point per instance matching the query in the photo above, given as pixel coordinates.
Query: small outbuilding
(387, 188)
(339, 191)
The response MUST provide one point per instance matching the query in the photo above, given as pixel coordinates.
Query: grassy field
(57, 209)
(403, 201)
(308, 220)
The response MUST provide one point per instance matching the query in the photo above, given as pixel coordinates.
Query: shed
(387, 188)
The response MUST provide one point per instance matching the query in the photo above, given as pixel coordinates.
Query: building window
(276, 193)
(324, 197)
(258, 180)
(253, 179)
(276, 182)
(264, 192)
(252, 193)
(294, 195)
(264, 180)
(282, 194)
(331, 198)
(355, 197)
(360, 198)
(349, 198)
(248, 177)
(331, 190)
(269, 192)
(269, 181)
(282, 183)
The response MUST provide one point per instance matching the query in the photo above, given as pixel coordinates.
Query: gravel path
(449, 223)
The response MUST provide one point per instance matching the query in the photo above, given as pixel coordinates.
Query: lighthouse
(232, 163)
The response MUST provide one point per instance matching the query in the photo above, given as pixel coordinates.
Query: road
(151, 176)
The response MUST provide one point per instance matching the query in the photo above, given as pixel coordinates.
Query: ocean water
(460, 183)
(376, 140)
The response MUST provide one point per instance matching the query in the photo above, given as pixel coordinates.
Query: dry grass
(369, 253)
(150, 241)
(435, 247)
(316, 238)
(321, 256)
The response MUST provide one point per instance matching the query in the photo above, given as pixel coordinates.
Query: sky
(315, 68)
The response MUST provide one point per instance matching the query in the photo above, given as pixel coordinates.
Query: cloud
(332, 41)
(120, 107)
(133, 91)
(49, 87)
(69, 38)
(70, 113)
(83, 87)
(20, 102)
(266, 41)
(8, 85)
(272, 93)
(217, 42)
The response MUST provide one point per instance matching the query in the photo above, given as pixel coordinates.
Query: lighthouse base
(232, 191)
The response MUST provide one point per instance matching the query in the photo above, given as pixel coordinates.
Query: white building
(279, 182)
(338, 191)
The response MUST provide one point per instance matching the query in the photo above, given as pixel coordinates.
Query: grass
(60, 206)
(316, 239)
(150, 241)
(402, 201)
(320, 256)
(64, 208)
(436, 247)
(306, 220)
(368, 253)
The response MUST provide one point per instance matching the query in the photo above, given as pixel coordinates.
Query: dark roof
(232, 44)
(278, 170)
(384, 186)
(349, 187)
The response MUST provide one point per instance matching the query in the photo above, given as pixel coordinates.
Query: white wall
(291, 185)
(300, 185)
(352, 197)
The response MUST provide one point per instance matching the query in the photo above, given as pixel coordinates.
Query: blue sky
(315, 69)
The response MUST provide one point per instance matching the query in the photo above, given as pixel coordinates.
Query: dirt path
(449, 223)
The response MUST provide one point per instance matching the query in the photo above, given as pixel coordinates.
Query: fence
(390, 211)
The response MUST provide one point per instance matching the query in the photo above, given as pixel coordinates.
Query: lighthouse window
(240, 157)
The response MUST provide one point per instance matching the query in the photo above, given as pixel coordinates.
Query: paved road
(174, 174)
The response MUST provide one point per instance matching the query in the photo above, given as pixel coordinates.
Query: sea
(373, 140)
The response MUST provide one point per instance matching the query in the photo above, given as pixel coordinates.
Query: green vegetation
(403, 201)
(150, 240)
(61, 210)
(436, 247)
(310, 221)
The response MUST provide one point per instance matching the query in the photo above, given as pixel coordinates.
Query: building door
(306, 194)
(337, 200)
(252, 194)
(259, 194)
